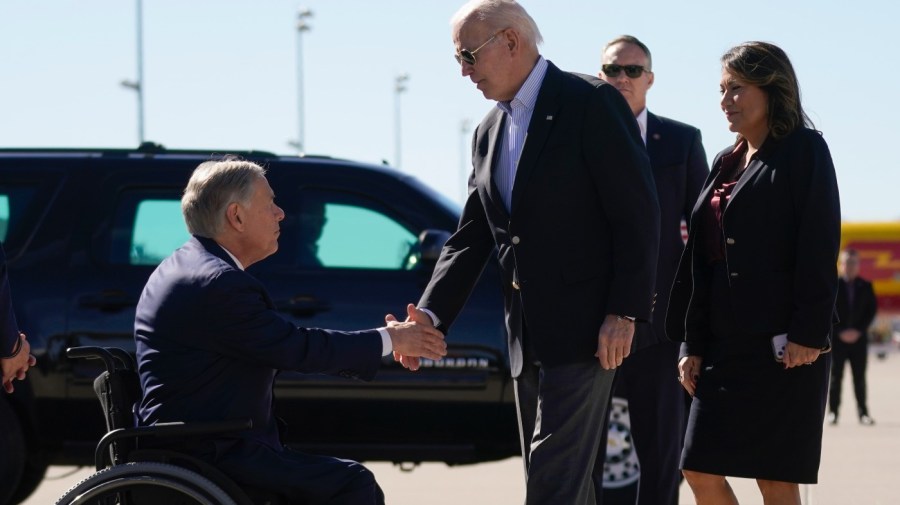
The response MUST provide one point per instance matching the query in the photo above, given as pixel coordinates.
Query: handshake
(414, 338)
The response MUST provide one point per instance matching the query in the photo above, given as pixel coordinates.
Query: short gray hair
(631, 39)
(498, 15)
(214, 186)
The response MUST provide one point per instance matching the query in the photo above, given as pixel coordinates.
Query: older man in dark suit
(562, 191)
(210, 342)
(656, 402)
(15, 352)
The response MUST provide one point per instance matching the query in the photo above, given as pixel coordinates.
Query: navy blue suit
(9, 330)
(209, 345)
(578, 242)
(657, 403)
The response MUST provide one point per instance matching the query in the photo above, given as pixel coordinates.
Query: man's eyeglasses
(632, 71)
(464, 55)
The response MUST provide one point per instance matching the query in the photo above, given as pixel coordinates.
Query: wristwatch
(626, 318)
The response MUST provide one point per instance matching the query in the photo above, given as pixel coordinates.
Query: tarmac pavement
(860, 464)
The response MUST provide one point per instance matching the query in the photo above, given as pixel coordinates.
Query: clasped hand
(414, 338)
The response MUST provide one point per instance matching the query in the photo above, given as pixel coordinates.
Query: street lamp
(138, 85)
(464, 149)
(399, 87)
(302, 26)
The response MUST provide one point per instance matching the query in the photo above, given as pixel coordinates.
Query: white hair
(498, 15)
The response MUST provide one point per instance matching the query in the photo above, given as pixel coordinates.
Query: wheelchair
(130, 471)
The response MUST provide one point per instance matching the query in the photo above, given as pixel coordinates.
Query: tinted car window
(147, 227)
(14, 201)
(156, 233)
(332, 229)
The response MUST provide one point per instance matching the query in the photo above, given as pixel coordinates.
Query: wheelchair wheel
(145, 483)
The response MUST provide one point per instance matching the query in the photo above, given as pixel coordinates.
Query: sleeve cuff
(387, 346)
(434, 319)
(690, 349)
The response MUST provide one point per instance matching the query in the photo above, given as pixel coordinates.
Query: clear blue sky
(222, 74)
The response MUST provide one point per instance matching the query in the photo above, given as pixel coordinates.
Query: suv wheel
(12, 459)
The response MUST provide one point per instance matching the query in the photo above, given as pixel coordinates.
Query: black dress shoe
(865, 420)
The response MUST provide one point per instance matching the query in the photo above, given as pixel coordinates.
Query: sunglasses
(632, 71)
(464, 55)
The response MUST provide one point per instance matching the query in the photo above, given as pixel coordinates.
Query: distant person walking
(856, 307)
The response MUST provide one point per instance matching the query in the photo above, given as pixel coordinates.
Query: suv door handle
(107, 301)
(302, 306)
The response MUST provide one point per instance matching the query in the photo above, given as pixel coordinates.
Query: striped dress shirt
(512, 139)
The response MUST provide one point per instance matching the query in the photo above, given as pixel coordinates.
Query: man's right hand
(415, 338)
(419, 317)
(16, 367)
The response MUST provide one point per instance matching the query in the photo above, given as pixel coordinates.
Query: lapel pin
(655, 136)
(549, 118)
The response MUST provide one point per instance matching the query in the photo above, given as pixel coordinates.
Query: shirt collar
(236, 261)
(527, 94)
(642, 123)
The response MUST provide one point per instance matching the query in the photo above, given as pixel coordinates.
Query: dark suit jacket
(862, 313)
(581, 239)
(679, 169)
(782, 233)
(9, 330)
(209, 344)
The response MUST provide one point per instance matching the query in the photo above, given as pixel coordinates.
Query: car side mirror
(424, 252)
(430, 244)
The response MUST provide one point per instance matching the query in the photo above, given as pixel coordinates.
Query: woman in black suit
(760, 263)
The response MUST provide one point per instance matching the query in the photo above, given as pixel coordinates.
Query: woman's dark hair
(765, 65)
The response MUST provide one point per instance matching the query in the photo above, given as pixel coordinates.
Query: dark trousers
(562, 416)
(657, 408)
(857, 354)
(304, 479)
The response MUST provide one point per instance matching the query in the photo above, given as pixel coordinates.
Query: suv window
(333, 229)
(147, 227)
(156, 232)
(14, 201)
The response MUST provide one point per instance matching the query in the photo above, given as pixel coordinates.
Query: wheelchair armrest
(176, 429)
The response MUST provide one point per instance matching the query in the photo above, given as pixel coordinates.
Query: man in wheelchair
(210, 342)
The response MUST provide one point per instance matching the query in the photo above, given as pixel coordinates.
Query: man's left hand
(16, 367)
(614, 342)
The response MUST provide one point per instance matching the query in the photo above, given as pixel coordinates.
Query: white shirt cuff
(387, 346)
(434, 319)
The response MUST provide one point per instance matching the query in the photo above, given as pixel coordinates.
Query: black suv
(83, 229)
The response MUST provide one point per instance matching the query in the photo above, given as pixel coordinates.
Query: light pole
(138, 85)
(464, 144)
(302, 26)
(399, 87)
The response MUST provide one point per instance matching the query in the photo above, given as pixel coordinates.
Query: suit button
(515, 285)
(729, 241)
(515, 241)
(734, 274)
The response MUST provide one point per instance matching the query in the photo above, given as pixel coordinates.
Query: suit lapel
(654, 139)
(542, 119)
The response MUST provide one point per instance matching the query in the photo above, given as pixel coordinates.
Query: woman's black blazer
(782, 228)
